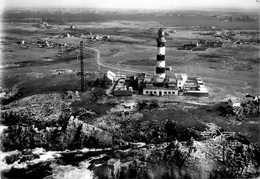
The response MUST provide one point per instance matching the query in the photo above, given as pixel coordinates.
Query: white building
(155, 91)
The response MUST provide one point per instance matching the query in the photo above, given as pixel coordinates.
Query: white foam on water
(18, 165)
(69, 172)
(9, 65)
(50, 155)
(85, 150)
(3, 165)
(38, 151)
(2, 128)
(72, 172)
(92, 149)
(44, 156)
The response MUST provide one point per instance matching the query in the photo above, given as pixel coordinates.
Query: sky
(135, 4)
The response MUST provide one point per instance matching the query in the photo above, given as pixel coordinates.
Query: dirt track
(110, 66)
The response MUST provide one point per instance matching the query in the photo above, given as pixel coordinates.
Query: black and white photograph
(129, 89)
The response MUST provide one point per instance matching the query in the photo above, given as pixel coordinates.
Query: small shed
(129, 105)
(234, 103)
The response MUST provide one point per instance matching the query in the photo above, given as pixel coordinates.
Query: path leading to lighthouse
(113, 67)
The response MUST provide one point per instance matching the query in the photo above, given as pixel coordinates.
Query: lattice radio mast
(82, 67)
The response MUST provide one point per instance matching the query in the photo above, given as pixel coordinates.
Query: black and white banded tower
(160, 66)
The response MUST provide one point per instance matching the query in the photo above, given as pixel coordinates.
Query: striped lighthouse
(160, 66)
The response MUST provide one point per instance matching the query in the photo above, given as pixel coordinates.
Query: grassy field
(132, 45)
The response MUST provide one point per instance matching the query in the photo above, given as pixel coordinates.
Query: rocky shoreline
(124, 144)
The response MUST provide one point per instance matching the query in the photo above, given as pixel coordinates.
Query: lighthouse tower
(160, 66)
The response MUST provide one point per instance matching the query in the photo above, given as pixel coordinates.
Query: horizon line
(230, 9)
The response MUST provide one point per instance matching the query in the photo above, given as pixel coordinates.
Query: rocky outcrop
(176, 160)
(138, 148)
(74, 134)
(165, 160)
(8, 96)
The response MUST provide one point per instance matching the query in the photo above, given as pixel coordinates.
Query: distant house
(129, 105)
(96, 37)
(234, 103)
(45, 23)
